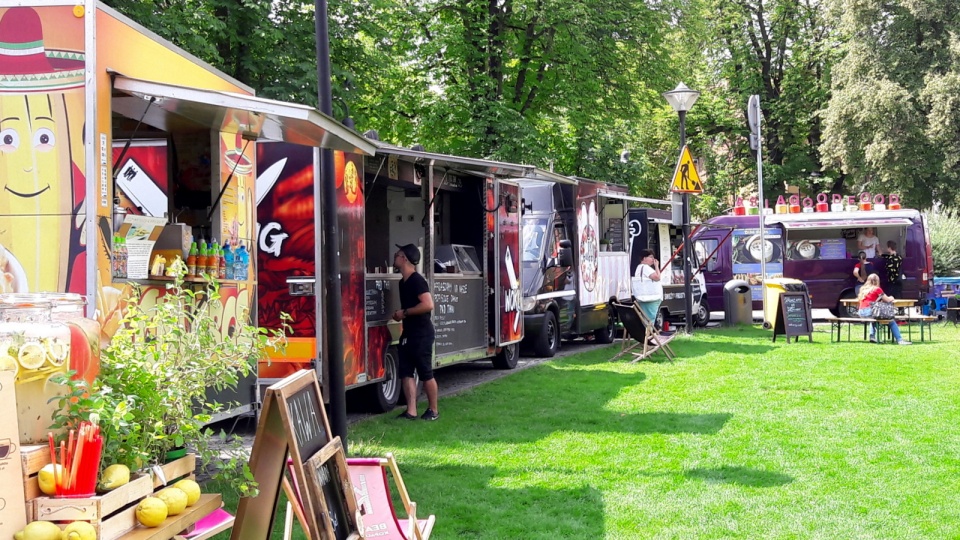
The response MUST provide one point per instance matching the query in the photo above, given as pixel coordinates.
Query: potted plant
(150, 397)
(605, 244)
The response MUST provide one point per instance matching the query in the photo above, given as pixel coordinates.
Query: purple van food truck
(818, 248)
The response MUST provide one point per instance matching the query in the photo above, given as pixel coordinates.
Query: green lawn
(739, 438)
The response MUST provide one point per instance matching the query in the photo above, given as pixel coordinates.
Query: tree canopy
(862, 95)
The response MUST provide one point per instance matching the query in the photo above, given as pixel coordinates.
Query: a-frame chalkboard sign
(793, 316)
(293, 423)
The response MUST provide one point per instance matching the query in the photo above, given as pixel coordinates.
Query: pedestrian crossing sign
(686, 179)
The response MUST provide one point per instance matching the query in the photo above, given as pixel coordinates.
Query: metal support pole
(687, 251)
(337, 411)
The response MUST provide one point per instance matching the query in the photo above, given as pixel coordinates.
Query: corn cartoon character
(37, 204)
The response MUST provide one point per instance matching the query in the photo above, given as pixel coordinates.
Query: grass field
(739, 438)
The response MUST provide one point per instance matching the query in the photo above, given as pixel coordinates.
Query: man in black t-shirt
(892, 263)
(416, 340)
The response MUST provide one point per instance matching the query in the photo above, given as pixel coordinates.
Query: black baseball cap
(411, 252)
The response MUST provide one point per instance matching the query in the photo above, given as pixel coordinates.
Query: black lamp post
(682, 99)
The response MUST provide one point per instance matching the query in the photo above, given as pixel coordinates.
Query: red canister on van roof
(822, 205)
(794, 204)
(894, 202)
(865, 203)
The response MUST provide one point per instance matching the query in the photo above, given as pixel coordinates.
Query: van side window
(706, 247)
(559, 233)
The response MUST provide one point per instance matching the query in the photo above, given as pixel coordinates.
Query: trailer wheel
(384, 395)
(702, 316)
(508, 357)
(548, 340)
(606, 334)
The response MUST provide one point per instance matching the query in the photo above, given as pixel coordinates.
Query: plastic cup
(85, 484)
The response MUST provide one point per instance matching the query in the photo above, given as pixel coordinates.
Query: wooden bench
(836, 323)
(922, 320)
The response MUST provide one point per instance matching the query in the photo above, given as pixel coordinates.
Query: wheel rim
(552, 335)
(390, 383)
(510, 353)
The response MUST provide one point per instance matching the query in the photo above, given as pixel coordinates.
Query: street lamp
(682, 99)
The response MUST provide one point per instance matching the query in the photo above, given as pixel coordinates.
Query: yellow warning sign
(686, 179)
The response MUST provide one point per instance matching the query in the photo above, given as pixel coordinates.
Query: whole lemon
(114, 476)
(79, 530)
(191, 488)
(39, 530)
(151, 512)
(47, 477)
(174, 498)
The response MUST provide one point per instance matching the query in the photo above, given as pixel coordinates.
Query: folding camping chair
(370, 484)
(638, 326)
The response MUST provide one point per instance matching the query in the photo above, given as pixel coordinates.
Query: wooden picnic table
(897, 302)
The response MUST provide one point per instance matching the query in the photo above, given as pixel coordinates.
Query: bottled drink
(228, 262)
(221, 265)
(116, 255)
(203, 259)
(192, 260)
(239, 263)
(122, 271)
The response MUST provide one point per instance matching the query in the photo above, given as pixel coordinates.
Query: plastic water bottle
(228, 259)
(238, 270)
(245, 258)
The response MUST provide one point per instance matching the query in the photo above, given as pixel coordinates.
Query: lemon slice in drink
(8, 363)
(31, 355)
(57, 351)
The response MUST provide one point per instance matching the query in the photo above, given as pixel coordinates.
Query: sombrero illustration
(26, 65)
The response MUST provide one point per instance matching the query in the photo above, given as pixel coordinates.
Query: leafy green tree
(892, 122)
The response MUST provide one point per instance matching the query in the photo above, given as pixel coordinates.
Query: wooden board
(13, 508)
(793, 316)
(174, 524)
(330, 489)
(293, 422)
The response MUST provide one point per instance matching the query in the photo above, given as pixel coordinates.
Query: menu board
(793, 316)
(458, 314)
(833, 248)
(615, 233)
(380, 297)
(335, 509)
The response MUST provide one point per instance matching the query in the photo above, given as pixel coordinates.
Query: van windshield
(534, 236)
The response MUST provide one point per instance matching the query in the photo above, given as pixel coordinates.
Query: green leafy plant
(151, 395)
(945, 242)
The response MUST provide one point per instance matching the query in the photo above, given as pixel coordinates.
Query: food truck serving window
(845, 224)
(457, 259)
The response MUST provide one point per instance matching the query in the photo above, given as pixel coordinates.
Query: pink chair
(372, 489)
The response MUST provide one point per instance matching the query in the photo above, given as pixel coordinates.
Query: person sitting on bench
(647, 290)
(870, 293)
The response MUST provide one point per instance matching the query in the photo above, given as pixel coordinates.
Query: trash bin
(737, 303)
(772, 288)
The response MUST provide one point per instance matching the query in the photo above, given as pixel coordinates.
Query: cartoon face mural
(39, 87)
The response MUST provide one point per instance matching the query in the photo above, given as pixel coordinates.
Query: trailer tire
(548, 340)
(702, 317)
(508, 357)
(384, 395)
(606, 334)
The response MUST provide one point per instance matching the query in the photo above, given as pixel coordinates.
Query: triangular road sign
(686, 179)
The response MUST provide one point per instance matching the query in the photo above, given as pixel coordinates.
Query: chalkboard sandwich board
(292, 423)
(332, 495)
(793, 316)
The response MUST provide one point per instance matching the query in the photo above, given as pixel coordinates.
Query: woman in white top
(868, 242)
(647, 288)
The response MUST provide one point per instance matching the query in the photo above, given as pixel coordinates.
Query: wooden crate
(113, 514)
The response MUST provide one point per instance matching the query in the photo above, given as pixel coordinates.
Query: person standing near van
(416, 340)
(861, 270)
(892, 262)
(868, 243)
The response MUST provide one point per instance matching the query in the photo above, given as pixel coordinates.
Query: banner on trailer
(42, 185)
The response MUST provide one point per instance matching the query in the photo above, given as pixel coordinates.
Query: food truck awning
(835, 220)
(475, 166)
(622, 196)
(252, 117)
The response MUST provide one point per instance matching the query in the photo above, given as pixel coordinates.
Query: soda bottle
(116, 255)
(123, 258)
(213, 263)
(192, 260)
(228, 262)
(245, 256)
(203, 259)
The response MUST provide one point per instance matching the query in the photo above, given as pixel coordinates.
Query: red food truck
(463, 214)
(117, 147)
